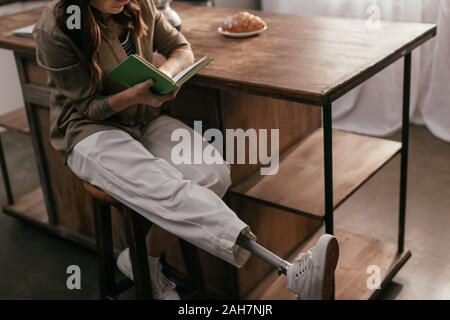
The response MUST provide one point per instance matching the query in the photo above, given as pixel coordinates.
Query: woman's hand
(141, 94)
(177, 61)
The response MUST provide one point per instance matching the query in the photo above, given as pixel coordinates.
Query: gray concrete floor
(33, 264)
(373, 211)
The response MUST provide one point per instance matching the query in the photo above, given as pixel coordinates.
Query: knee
(217, 178)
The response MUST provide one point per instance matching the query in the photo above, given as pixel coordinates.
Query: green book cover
(135, 69)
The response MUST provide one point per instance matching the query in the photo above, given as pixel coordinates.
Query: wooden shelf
(30, 207)
(299, 185)
(356, 254)
(16, 121)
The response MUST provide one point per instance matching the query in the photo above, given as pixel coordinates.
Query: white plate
(240, 34)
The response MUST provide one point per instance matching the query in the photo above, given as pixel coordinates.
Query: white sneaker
(311, 276)
(162, 288)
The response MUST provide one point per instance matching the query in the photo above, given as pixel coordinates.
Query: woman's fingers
(149, 83)
(175, 93)
(146, 85)
(170, 96)
(145, 96)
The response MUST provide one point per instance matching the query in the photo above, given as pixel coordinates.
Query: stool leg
(134, 227)
(104, 242)
(7, 182)
(192, 261)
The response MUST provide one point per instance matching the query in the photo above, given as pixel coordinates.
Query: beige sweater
(73, 93)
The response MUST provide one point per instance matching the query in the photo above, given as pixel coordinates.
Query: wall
(10, 91)
(238, 3)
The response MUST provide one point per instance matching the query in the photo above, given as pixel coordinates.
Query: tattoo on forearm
(101, 112)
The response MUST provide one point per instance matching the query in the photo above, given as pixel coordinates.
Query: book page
(154, 68)
(181, 74)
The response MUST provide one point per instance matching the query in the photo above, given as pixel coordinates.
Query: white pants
(185, 200)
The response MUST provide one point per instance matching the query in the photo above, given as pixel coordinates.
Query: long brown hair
(88, 37)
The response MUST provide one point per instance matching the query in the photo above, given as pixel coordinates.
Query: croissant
(243, 22)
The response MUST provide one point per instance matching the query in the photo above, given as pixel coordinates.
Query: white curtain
(374, 108)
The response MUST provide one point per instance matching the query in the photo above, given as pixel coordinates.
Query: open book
(26, 32)
(136, 69)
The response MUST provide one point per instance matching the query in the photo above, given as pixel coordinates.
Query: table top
(300, 58)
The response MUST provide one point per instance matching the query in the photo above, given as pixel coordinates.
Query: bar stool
(136, 228)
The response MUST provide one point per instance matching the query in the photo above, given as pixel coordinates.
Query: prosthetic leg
(263, 254)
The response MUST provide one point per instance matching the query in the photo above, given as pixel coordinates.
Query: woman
(115, 138)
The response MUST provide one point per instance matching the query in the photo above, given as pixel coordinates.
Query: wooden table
(287, 79)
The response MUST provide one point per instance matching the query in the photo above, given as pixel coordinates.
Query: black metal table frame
(328, 157)
(327, 127)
